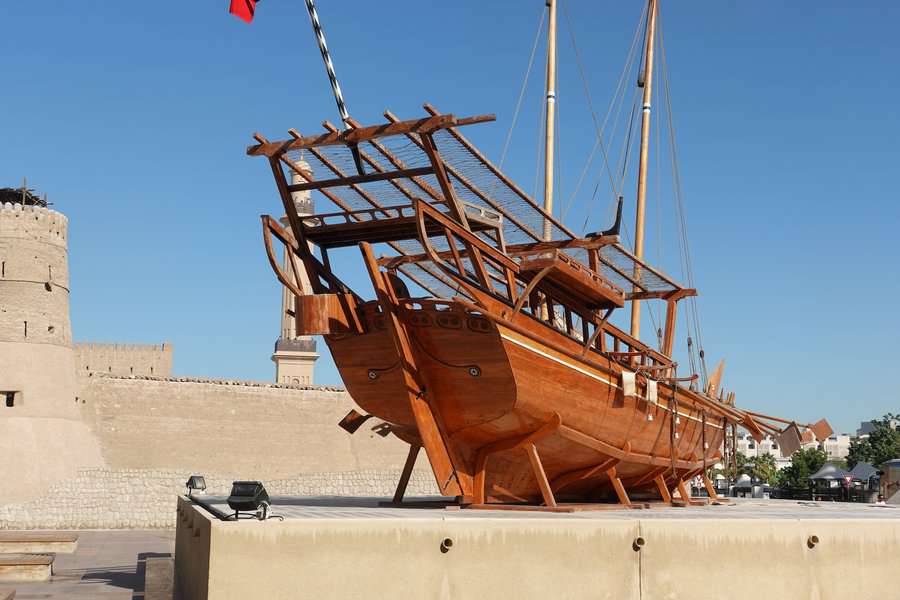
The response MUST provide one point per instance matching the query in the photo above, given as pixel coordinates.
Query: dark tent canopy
(863, 471)
(829, 472)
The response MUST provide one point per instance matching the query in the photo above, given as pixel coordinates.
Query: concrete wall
(123, 359)
(681, 558)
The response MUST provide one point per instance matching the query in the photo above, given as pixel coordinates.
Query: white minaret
(295, 355)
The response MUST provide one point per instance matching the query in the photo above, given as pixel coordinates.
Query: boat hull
(490, 383)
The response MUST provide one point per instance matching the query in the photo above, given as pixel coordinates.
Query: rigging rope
(512, 125)
(682, 218)
(616, 104)
(332, 78)
(600, 128)
(587, 91)
(537, 157)
(329, 66)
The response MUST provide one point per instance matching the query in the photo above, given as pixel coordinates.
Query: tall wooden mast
(551, 117)
(642, 167)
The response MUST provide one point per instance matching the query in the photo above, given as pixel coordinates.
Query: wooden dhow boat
(488, 343)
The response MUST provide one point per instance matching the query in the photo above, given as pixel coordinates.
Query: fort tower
(39, 413)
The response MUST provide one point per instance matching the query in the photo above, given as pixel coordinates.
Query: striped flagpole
(332, 77)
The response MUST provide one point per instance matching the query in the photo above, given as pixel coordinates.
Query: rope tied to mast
(332, 78)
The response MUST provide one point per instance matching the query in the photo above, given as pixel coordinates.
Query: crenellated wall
(154, 360)
(34, 276)
(40, 425)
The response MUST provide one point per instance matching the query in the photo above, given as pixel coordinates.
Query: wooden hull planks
(492, 385)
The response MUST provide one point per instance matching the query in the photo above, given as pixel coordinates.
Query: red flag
(243, 9)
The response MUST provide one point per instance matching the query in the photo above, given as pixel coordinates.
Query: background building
(867, 427)
(295, 355)
(836, 446)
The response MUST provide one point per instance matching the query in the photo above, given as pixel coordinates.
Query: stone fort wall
(34, 276)
(153, 360)
(100, 435)
(154, 432)
(42, 437)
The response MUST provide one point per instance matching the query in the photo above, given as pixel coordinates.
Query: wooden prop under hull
(512, 409)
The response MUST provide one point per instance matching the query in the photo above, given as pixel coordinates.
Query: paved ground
(108, 565)
(368, 508)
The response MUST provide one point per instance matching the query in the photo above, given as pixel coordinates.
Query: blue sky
(134, 116)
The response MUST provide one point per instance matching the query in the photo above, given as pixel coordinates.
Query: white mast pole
(642, 167)
(551, 117)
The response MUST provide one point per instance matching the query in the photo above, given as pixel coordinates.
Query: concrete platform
(25, 567)
(352, 548)
(37, 542)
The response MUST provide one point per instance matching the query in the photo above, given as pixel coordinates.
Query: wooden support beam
(683, 491)
(571, 477)
(355, 179)
(710, 488)
(357, 135)
(517, 250)
(427, 422)
(407, 471)
(669, 334)
(663, 489)
(540, 475)
(621, 494)
(484, 453)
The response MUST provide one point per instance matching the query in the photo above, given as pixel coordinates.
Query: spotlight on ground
(195, 483)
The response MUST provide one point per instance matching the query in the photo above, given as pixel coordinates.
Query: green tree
(803, 464)
(763, 467)
(728, 468)
(882, 445)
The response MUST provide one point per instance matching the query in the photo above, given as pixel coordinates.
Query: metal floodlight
(195, 483)
(248, 497)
